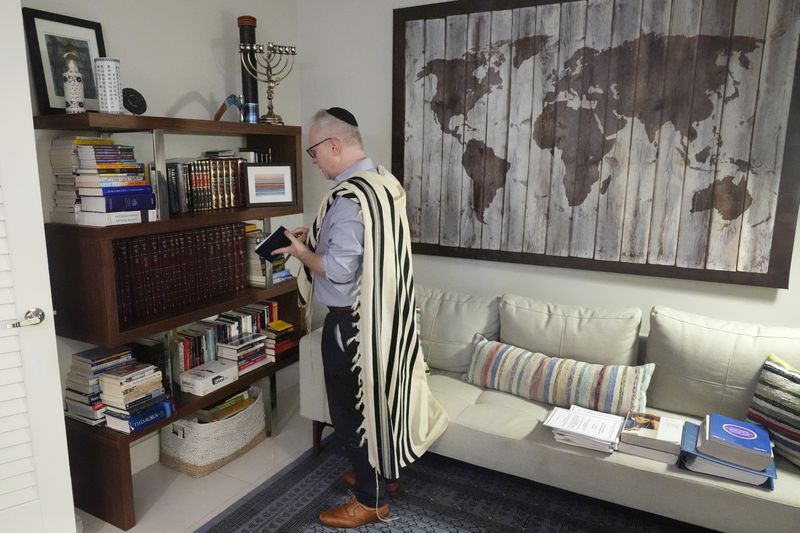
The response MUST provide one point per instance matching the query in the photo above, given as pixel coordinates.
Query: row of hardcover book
(205, 184)
(719, 446)
(160, 273)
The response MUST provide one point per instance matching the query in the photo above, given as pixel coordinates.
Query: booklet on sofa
(692, 459)
(586, 428)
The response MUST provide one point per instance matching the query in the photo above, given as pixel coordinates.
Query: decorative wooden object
(641, 136)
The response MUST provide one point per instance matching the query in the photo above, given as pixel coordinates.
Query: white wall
(182, 55)
(347, 61)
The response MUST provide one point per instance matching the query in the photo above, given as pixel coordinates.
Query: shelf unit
(83, 283)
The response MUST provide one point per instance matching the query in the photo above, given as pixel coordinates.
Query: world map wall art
(654, 137)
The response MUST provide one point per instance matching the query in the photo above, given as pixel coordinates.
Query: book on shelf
(209, 377)
(114, 191)
(653, 431)
(649, 453)
(84, 387)
(277, 239)
(134, 403)
(82, 397)
(142, 419)
(743, 443)
(126, 373)
(99, 355)
(89, 218)
(94, 411)
(132, 389)
(116, 203)
(89, 421)
(693, 459)
(586, 428)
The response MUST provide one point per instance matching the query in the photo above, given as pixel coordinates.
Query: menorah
(270, 64)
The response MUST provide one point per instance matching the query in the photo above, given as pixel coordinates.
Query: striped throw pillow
(613, 389)
(776, 405)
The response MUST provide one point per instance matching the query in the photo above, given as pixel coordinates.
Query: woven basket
(199, 449)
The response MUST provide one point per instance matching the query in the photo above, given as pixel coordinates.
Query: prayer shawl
(401, 416)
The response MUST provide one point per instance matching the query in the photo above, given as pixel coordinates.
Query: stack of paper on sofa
(585, 428)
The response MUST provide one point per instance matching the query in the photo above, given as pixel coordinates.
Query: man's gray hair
(334, 127)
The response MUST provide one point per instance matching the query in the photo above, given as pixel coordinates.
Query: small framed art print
(269, 184)
(51, 38)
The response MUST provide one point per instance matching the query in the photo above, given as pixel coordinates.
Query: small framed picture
(269, 184)
(50, 38)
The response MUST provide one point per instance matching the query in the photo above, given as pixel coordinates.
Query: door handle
(32, 317)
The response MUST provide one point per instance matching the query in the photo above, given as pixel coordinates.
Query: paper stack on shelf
(586, 428)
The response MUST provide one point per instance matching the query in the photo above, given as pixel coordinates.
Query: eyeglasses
(311, 150)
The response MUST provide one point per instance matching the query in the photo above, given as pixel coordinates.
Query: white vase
(73, 87)
(109, 86)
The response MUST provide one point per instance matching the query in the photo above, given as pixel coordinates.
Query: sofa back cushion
(449, 320)
(705, 364)
(598, 336)
(613, 389)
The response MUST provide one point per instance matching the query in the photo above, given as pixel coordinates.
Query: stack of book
(259, 271)
(652, 436)
(225, 408)
(134, 396)
(586, 428)
(82, 395)
(248, 350)
(281, 337)
(729, 448)
(109, 187)
(280, 272)
(213, 182)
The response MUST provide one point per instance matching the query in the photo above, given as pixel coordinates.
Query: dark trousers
(341, 385)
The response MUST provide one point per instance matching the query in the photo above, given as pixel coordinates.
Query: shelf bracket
(159, 177)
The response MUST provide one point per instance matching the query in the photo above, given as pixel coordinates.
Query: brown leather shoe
(349, 479)
(352, 514)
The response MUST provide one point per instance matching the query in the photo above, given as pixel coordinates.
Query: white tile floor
(170, 502)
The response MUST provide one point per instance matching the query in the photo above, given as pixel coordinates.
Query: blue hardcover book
(122, 202)
(114, 191)
(142, 419)
(735, 441)
(692, 459)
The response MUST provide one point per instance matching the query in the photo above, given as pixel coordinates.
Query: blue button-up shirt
(341, 245)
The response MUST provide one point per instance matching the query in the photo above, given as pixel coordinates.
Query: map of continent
(572, 99)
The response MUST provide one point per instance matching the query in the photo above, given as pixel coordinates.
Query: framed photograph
(50, 38)
(269, 184)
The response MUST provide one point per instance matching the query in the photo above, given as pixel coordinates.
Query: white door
(35, 491)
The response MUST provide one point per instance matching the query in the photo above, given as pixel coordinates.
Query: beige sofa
(702, 365)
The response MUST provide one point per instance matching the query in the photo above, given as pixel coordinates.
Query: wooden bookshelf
(83, 280)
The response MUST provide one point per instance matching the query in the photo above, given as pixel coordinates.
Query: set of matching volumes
(99, 183)
(729, 448)
(247, 350)
(163, 272)
(585, 428)
(197, 342)
(82, 397)
(134, 397)
(205, 184)
(652, 436)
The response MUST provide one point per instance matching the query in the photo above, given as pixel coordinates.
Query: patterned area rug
(437, 494)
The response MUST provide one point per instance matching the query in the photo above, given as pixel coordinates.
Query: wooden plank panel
(648, 105)
(572, 34)
(414, 109)
(618, 129)
(431, 191)
(496, 166)
(540, 163)
(667, 194)
(452, 147)
(526, 44)
(772, 112)
(478, 36)
(710, 81)
(591, 137)
(730, 182)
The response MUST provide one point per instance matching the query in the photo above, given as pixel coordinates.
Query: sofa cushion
(705, 364)
(609, 388)
(776, 405)
(596, 336)
(448, 321)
